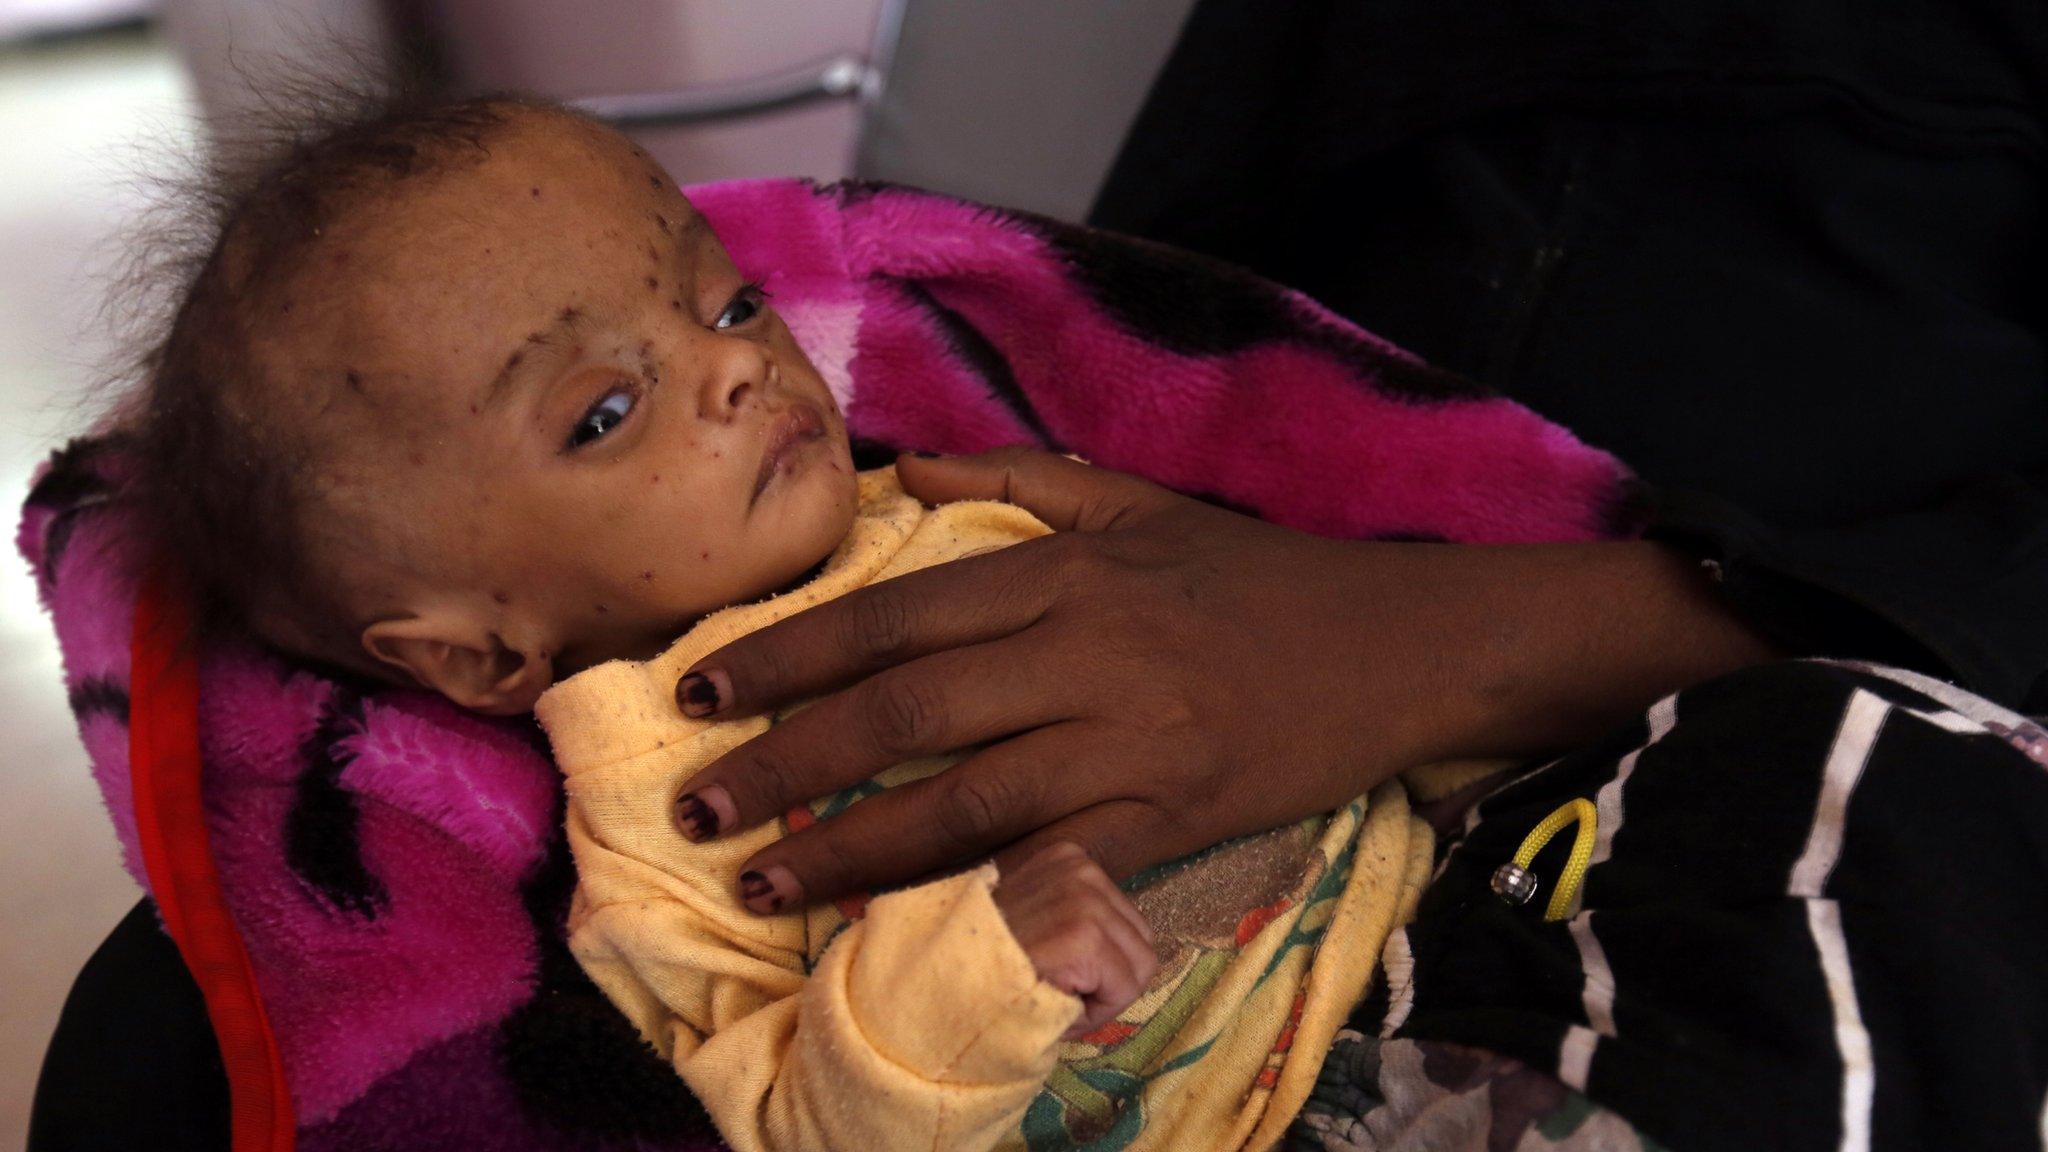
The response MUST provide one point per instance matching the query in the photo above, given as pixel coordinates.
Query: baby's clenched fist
(1084, 936)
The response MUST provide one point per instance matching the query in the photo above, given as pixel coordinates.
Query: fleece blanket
(389, 870)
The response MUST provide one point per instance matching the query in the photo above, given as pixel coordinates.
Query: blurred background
(997, 100)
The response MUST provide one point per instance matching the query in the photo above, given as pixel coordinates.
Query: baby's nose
(734, 379)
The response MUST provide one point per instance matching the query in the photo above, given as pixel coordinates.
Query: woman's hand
(1161, 675)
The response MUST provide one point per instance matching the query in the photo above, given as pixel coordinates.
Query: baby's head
(470, 397)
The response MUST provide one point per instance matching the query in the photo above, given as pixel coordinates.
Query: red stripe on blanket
(170, 823)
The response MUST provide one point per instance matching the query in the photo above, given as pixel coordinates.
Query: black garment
(133, 1063)
(1786, 260)
(1818, 903)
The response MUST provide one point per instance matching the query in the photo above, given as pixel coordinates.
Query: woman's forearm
(1574, 638)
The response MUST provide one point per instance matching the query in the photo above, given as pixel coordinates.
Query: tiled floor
(78, 121)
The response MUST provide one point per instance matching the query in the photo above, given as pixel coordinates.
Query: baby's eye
(603, 416)
(746, 304)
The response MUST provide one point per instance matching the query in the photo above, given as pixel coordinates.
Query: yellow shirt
(915, 1020)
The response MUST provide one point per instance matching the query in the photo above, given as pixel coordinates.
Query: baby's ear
(472, 667)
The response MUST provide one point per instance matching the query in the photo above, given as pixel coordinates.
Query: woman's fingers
(945, 606)
(1122, 835)
(1068, 495)
(926, 826)
(944, 702)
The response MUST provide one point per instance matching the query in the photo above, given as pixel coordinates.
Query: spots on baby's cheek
(662, 221)
(705, 554)
(355, 381)
(476, 409)
(601, 609)
(654, 283)
(534, 191)
(647, 575)
(654, 479)
(285, 305)
(501, 597)
(654, 253)
(654, 181)
(676, 305)
(418, 459)
(568, 313)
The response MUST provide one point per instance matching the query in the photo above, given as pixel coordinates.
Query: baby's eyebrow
(549, 335)
(691, 230)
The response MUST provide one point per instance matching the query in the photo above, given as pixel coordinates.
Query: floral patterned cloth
(1418, 1096)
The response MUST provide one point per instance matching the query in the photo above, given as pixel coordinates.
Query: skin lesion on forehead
(480, 222)
(542, 345)
(565, 323)
(536, 351)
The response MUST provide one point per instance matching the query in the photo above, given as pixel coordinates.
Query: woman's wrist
(1567, 640)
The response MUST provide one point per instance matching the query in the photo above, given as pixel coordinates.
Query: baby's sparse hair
(223, 490)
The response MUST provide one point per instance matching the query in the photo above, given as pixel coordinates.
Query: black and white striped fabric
(1816, 918)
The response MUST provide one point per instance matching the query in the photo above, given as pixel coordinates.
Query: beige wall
(1017, 102)
(632, 46)
(79, 123)
(566, 50)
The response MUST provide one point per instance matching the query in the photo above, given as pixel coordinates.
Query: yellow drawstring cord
(1516, 884)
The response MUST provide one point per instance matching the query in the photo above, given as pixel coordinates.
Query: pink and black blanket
(370, 884)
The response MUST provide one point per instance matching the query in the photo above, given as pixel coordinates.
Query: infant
(470, 398)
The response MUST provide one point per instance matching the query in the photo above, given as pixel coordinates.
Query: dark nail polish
(699, 822)
(754, 886)
(696, 695)
(921, 454)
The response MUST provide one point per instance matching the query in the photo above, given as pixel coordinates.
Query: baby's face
(573, 425)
